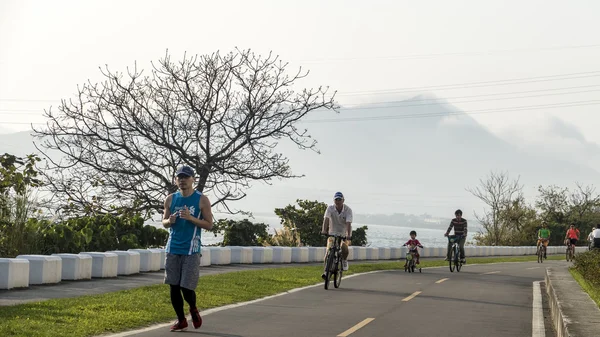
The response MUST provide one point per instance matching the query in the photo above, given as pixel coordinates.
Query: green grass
(128, 309)
(594, 292)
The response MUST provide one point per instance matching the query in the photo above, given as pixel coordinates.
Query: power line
(441, 86)
(369, 106)
(441, 102)
(494, 94)
(443, 114)
(423, 115)
(477, 84)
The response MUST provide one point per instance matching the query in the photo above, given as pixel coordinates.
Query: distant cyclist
(543, 237)
(338, 221)
(572, 236)
(460, 228)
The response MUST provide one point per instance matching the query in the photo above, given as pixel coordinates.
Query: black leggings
(177, 300)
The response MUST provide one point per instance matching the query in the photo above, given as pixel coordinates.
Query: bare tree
(121, 140)
(499, 193)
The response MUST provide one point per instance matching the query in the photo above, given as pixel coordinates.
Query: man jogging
(186, 213)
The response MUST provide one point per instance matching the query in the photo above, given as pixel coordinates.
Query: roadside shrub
(588, 265)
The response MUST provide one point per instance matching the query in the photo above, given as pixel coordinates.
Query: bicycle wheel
(328, 268)
(567, 254)
(337, 279)
(540, 254)
(457, 259)
(451, 260)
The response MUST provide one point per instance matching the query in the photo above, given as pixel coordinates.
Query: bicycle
(455, 253)
(570, 252)
(333, 264)
(541, 251)
(409, 264)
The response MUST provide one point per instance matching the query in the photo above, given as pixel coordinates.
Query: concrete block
(299, 254)
(43, 269)
(385, 253)
(220, 255)
(75, 266)
(372, 253)
(206, 259)
(149, 260)
(129, 262)
(282, 254)
(262, 255)
(104, 264)
(14, 273)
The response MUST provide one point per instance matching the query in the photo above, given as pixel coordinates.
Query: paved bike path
(482, 300)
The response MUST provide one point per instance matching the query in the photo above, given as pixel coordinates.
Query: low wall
(133, 261)
(574, 313)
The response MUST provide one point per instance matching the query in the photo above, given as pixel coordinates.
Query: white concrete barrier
(206, 258)
(262, 255)
(104, 264)
(14, 273)
(426, 252)
(149, 259)
(299, 254)
(43, 269)
(312, 254)
(75, 266)
(359, 253)
(129, 262)
(395, 253)
(372, 253)
(163, 256)
(220, 255)
(282, 254)
(385, 253)
(241, 254)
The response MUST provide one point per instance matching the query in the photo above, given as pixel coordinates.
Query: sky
(368, 51)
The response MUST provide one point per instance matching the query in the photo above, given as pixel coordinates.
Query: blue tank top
(184, 236)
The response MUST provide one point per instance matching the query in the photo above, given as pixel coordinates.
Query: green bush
(588, 265)
(359, 236)
(241, 233)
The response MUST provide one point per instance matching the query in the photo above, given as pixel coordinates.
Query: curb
(573, 312)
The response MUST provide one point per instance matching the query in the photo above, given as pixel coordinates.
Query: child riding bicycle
(413, 243)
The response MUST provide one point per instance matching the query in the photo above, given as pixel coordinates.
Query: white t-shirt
(596, 233)
(337, 220)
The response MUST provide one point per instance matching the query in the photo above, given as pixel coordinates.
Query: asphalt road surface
(480, 300)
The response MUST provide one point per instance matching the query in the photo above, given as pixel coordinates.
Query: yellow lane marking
(411, 296)
(491, 272)
(356, 327)
(442, 280)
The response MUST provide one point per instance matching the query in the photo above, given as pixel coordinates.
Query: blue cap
(338, 195)
(185, 170)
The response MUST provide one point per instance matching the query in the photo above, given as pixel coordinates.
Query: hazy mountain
(412, 162)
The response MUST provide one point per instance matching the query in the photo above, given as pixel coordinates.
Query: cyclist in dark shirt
(460, 228)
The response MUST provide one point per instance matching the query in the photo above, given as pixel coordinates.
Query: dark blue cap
(185, 170)
(338, 195)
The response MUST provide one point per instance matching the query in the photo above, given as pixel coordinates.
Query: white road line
(534, 268)
(356, 327)
(413, 295)
(537, 321)
(442, 280)
(491, 272)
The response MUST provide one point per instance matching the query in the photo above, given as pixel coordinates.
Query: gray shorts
(182, 270)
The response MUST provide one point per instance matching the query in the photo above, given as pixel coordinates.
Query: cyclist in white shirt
(596, 233)
(338, 221)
